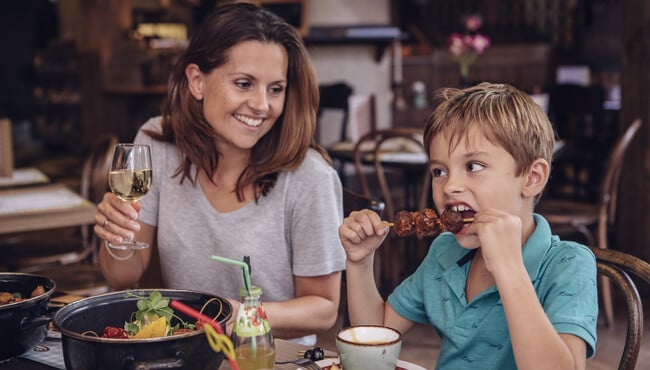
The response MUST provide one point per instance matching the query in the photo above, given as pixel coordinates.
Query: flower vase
(464, 82)
(464, 74)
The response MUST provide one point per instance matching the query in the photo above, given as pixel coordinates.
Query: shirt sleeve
(315, 213)
(408, 299)
(570, 299)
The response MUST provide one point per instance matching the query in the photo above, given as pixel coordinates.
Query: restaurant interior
(78, 76)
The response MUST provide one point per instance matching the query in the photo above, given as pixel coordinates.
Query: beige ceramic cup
(368, 347)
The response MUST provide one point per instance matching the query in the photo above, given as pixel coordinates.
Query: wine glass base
(130, 245)
(127, 245)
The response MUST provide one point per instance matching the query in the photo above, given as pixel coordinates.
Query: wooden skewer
(467, 220)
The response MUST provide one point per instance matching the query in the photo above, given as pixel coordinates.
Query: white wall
(355, 63)
(345, 12)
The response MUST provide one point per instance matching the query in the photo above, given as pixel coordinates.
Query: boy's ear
(536, 178)
(194, 80)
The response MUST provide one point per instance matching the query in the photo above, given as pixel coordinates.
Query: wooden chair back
(335, 96)
(353, 201)
(368, 151)
(35, 253)
(618, 267)
(608, 192)
(94, 182)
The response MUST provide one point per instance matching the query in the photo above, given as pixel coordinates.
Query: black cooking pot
(184, 351)
(23, 324)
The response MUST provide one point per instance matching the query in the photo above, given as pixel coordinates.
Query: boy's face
(475, 175)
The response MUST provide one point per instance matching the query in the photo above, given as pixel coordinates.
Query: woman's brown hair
(285, 146)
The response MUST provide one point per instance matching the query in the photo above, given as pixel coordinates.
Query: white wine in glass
(130, 179)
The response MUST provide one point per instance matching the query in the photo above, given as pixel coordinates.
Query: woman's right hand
(116, 220)
(361, 233)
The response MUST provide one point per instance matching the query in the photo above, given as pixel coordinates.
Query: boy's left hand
(500, 235)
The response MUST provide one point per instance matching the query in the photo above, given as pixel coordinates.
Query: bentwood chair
(569, 218)
(36, 252)
(398, 164)
(334, 96)
(353, 201)
(618, 267)
(394, 153)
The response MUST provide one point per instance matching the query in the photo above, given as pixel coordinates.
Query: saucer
(335, 361)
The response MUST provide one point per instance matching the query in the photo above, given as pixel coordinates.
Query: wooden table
(23, 177)
(284, 351)
(43, 207)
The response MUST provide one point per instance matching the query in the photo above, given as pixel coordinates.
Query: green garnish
(150, 309)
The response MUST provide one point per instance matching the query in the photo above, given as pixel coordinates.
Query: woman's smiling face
(243, 98)
(473, 175)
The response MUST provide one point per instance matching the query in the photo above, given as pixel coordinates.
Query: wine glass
(130, 179)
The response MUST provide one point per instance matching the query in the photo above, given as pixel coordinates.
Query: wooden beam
(6, 149)
(633, 220)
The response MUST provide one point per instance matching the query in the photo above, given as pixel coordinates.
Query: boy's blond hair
(505, 115)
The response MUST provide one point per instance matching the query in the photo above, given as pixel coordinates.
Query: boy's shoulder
(565, 253)
(568, 246)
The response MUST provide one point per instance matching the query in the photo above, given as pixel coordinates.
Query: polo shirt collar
(537, 246)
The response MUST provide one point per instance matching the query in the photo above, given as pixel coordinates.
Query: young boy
(503, 293)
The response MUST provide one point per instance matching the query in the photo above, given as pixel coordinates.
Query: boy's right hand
(116, 220)
(361, 233)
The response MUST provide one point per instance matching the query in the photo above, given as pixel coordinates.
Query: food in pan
(151, 320)
(9, 297)
(425, 223)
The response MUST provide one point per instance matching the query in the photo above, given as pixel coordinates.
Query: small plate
(400, 363)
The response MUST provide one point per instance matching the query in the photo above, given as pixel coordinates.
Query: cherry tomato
(113, 332)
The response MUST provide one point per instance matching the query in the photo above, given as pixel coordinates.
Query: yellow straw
(220, 342)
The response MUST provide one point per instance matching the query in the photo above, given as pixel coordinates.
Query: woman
(237, 172)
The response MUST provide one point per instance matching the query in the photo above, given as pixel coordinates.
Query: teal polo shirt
(475, 334)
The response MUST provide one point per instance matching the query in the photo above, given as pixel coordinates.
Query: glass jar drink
(251, 333)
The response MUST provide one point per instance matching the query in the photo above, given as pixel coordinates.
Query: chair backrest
(608, 192)
(353, 201)
(335, 96)
(369, 150)
(618, 266)
(576, 111)
(94, 179)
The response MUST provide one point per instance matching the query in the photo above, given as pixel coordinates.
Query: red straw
(201, 317)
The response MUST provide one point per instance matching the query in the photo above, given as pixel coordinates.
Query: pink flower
(466, 47)
(457, 44)
(473, 22)
(480, 43)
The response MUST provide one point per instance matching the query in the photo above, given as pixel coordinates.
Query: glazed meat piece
(404, 224)
(426, 223)
(452, 221)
